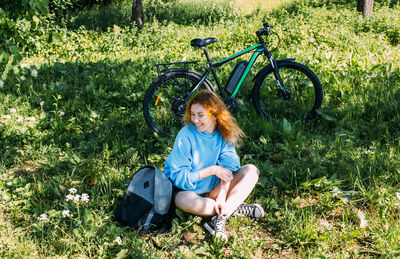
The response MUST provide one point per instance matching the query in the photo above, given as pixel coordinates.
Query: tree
(137, 13)
(365, 6)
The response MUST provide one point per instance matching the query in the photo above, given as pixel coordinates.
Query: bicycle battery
(235, 76)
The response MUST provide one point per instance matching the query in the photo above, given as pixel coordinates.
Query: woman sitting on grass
(205, 169)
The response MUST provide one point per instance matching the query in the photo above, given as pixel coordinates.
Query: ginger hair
(226, 123)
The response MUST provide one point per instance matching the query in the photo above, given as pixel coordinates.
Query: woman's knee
(251, 171)
(181, 200)
(192, 203)
(186, 200)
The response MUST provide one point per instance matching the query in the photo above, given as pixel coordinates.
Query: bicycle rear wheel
(164, 102)
(303, 86)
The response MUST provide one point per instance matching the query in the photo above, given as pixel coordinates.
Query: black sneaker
(249, 210)
(216, 227)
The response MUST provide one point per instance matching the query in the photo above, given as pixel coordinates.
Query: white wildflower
(41, 104)
(30, 118)
(85, 197)
(65, 213)
(118, 240)
(398, 197)
(5, 117)
(43, 217)
(5, 197)
(69, 197)
(61, 113)
(386, 226)
(34, 71)
(24, 65)
(72, 190)
(363, 220)
(9, 183)
(76, 197)
(20, 119)
(13, 110)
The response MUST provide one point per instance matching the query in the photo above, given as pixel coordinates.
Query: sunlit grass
(70, 117)
(247, 6)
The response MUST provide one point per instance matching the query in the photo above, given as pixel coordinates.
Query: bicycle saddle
(198, 43)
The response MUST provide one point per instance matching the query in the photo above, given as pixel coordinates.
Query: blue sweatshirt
(194, 150)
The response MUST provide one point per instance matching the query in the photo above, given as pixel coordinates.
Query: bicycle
(283, 88)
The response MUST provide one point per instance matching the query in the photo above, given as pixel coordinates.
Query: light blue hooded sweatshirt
(194, 150)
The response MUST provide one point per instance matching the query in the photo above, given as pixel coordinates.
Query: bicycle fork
(278, 78)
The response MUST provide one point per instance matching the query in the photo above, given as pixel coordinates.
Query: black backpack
(147, 202)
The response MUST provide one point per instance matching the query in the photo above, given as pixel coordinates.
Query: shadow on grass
(11, 145)
(91, 135)
(101, 18)
(92, 110)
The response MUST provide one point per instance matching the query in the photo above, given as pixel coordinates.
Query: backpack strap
(156, 246)
(146, 223)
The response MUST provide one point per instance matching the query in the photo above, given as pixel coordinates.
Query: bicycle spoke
(301, 87)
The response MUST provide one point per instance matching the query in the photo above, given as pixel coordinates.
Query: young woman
(205, 169)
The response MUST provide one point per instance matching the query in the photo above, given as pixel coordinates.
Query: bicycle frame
(258, 49)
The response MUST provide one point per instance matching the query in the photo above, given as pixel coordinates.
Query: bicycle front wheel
(303, 87)
(164, 102)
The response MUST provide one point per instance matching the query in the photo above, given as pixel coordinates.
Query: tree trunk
(137, 13)
(365, 6)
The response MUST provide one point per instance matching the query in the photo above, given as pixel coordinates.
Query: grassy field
(246, 6)
(249, 6)
(71, 121)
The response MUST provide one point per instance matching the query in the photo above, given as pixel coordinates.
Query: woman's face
(202, 119)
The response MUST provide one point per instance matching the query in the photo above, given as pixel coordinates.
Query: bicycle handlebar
(265, 30)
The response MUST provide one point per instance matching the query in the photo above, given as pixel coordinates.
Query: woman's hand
(223, 173)
(220, 207)
(220, 201)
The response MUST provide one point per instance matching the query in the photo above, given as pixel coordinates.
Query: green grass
(247, 7)
(250, 6)
(70, 118)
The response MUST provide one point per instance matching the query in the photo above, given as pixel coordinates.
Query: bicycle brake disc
(178, 106)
